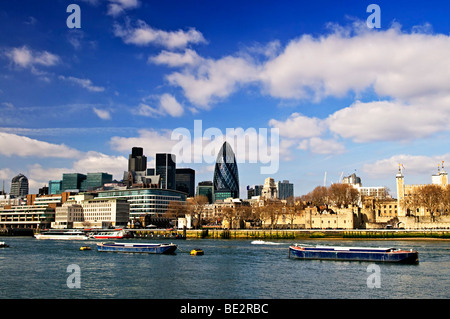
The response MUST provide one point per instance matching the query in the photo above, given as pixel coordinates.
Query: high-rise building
(206, 188)
(19, 186)
(166, 169)
(136, 160)
(185, 181)
(226, 176)
(269, 190)
(285, 189)
(254, 190)
(54, 187)
(96, 180)
(72, 181)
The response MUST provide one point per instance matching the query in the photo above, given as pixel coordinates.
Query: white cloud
(387, 121)
(103, 114)
(150, 140)
(175, 59)
(117, 7)
(26, 58)
(413, 165)
(170, 105)
(143, 35)
(166, 105)
(406, 71)
(214, 79)
(84, 83)
(92, 162)
(16, 145)
(299, 126)
(318, 145)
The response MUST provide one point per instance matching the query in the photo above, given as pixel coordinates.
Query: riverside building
(19, 186)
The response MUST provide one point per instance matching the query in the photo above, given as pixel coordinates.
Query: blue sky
(345, 98)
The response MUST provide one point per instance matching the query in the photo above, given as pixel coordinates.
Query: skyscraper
(226, 176)
(19, 186)
(185, 181)
(166, 168)
(206, 188)
(136, 160)
(285, 189)
(72, 181)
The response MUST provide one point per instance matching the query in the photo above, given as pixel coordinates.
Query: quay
(217, 233)
(293, 234)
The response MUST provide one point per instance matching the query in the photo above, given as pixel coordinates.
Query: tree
(343, 194)
(228, 213)
(271, 211)
(318, 197)
(430, 197)
(196, 207)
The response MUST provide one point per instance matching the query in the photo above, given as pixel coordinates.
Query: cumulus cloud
(84, 83)
(213, 80)
(413, 165)
(174, 59)
(318, 145)
(166, 104)
(299, 126)
(17, 145)
(92, 162)
(405, 71)
(103, 114)
(117, 7)
(143, 34)
(152, 141)
(26, 58)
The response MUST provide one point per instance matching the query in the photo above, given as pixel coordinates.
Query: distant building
(403, 191)
(136, 160)
(185, 181)
(352, 180)
(72, 181)
(19, 186)
(54, 186)
(254, 190)
(269, 190)
(285, 189)
(80, 182)
(146, 201)
(166, 168)
(206, 188)
(226, 176)
(96, 180)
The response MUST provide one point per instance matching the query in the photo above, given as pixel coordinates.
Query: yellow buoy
(85, 248)
(196, 252)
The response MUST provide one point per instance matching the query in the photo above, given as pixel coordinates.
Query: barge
(371, 254)
(137, 248)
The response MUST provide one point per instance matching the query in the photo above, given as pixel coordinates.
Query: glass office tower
(226, 176)
(166, 168)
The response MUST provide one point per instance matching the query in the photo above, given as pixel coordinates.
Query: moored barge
(372, 254)
(137, 248)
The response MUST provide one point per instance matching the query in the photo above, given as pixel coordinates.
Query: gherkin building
(226, 176)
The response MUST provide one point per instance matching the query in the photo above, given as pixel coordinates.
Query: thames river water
(229, 269)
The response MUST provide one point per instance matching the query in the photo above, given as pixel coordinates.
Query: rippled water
(237, 269)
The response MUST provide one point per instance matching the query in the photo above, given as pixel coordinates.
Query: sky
(305, 91)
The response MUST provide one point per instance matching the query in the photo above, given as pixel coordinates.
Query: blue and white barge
(372, 254)
(137, 248)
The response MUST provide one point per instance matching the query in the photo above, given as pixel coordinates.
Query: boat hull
(388, 256)
(137, 248)
(62, 236)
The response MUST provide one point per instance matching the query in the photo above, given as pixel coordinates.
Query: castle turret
(400, 191)
(443, 176)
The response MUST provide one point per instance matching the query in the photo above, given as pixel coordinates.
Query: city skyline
(345, 98)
